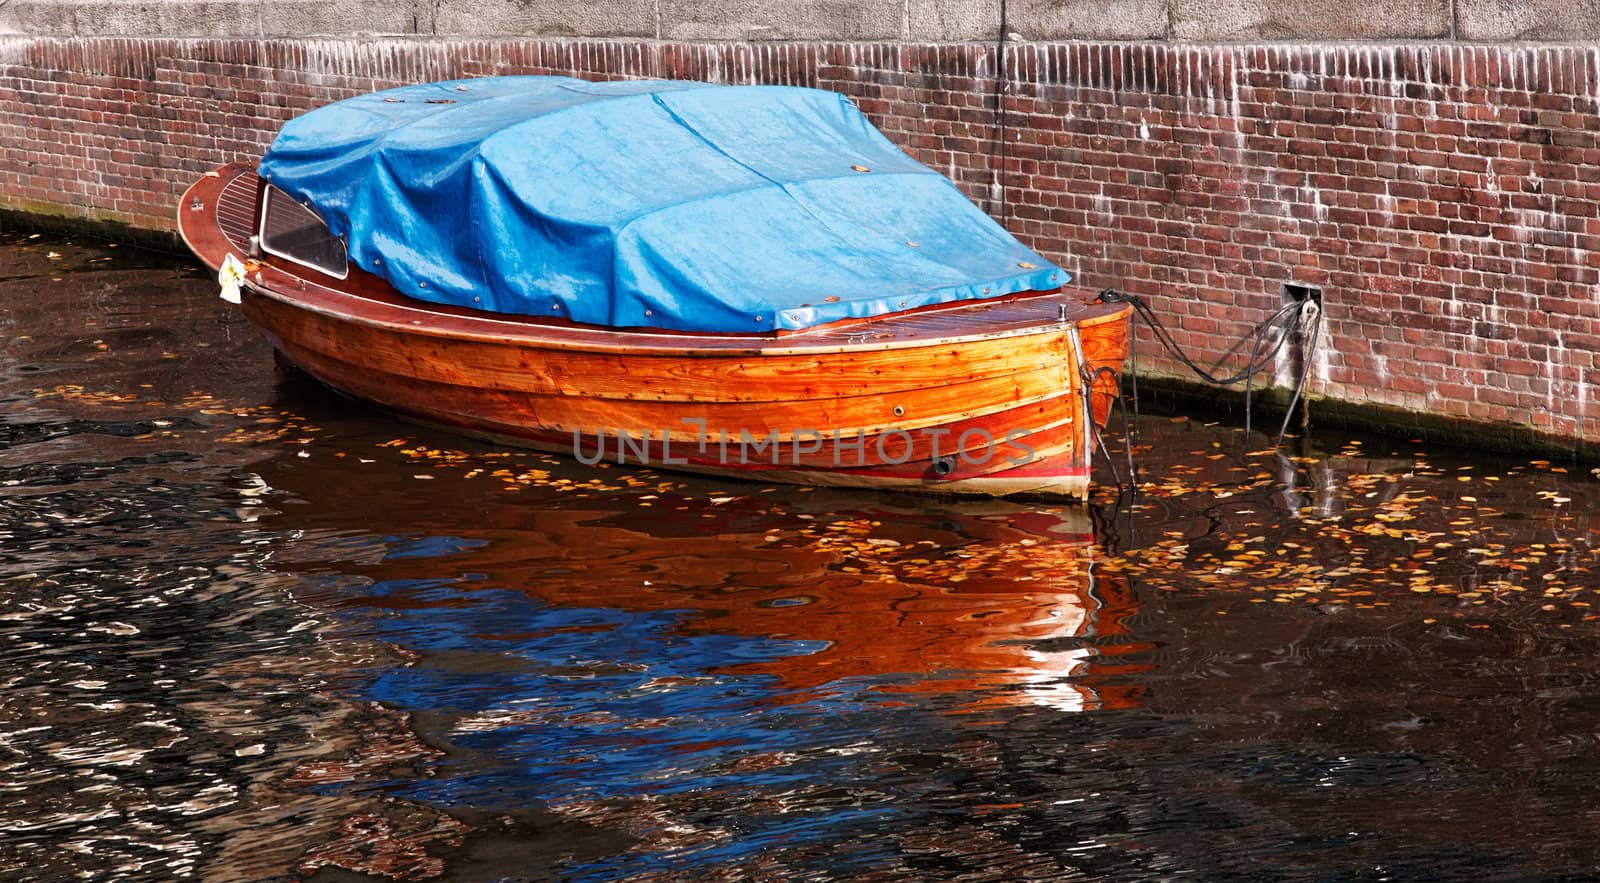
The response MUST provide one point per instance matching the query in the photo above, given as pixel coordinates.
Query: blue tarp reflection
(576, 707)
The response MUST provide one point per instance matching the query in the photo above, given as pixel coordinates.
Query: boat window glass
(293, 232)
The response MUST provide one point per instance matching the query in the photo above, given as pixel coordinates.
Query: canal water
(252, 630)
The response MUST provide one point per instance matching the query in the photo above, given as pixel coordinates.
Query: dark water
(251, 631)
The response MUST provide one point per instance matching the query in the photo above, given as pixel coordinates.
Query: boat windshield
(293, 232)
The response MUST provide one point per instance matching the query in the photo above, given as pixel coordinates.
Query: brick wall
(1445, 197)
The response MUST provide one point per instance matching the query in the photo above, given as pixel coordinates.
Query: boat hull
(982, 398)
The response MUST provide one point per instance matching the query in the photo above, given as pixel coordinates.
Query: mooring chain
(1288, 320)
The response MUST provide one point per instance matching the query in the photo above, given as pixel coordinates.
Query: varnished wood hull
(980, 398)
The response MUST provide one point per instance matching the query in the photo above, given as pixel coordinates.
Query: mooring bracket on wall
(1296, 293)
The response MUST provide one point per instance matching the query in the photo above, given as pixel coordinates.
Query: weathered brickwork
(1446, 198)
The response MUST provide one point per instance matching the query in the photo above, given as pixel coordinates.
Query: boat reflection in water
(588, 649)
(946, 598)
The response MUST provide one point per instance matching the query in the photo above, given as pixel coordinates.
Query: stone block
(1532, 21)
(99, 18)
(543, 18)
(205, 18)
(1265, 20)
(953, 21)
(44, 19)
(303, 18)
(1087, 19)
(780, 20)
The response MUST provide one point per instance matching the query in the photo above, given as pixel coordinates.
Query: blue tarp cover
(662, 204)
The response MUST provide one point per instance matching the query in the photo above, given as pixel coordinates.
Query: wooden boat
(990, 396)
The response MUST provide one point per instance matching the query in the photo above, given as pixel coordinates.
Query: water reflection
(255, 631)
(862, 593)
(152, 669)
(592, 656)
